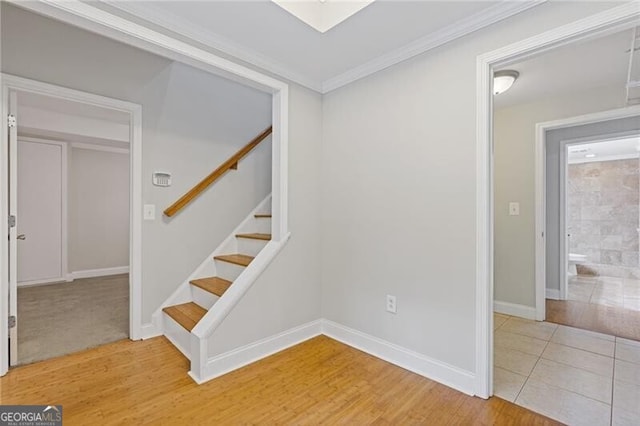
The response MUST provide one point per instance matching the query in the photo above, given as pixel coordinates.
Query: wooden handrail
(231, 163)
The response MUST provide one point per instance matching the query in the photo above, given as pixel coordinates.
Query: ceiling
(591, 64)
(63, 106)
(605, 151)
(263, 34)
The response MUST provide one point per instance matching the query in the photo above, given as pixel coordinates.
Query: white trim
(178, 25)
(441, 372)
(614, 19)
(552, 293)
(540, 191)
(490, 16)
(224, 363)
(563, 279)
(96, 147)
(135, 242)
(514, 309)
(103, 272)
(149, 330)
(102, 22)
(599, 159)
(540, 177)
(36, 283)
(451, 32)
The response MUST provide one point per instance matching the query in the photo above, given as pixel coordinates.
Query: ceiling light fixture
(503, 80)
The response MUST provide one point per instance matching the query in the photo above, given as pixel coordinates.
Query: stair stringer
(222, 308)
(183, 294)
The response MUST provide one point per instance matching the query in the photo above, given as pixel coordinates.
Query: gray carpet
(59, 319)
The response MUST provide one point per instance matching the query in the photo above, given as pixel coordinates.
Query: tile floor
(575, 376)
(608, 291)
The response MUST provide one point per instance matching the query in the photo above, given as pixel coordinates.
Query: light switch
(149, 212)
(514, 209)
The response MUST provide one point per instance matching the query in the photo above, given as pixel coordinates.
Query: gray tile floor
(574, 376)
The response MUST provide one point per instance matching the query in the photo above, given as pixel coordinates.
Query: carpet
(59, 319)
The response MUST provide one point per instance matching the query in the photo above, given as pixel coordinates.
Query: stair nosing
(255, 236)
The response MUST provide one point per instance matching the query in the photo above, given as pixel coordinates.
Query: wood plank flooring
(611, 320)
(320, 381)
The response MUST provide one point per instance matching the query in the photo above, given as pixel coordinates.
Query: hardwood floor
(320, 381)
(611, 320)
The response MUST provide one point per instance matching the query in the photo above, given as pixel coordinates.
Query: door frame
(612, 20)
(10, 83)
(88, 17)
(540, 191)
(64, 250)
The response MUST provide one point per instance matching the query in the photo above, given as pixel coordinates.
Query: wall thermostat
(161, 179)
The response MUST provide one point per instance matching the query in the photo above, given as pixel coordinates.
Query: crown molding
(147, 12)
(184, 28)
(461, 28)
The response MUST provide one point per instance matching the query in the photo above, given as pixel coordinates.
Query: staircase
(211, 281)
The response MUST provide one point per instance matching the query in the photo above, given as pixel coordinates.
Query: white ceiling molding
(146, 11)
(459, 29)
(184, 28)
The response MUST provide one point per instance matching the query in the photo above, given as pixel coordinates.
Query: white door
(39, 196)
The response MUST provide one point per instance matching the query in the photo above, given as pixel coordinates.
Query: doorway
(72, 172)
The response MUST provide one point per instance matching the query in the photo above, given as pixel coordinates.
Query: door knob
(21, 237)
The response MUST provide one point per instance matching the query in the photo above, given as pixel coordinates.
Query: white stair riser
(250, 247)
(177, 335)
(203, 297)
(228, 271)
(261, 225)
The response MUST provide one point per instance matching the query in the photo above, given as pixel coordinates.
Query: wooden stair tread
(237, 259)
(263, 215)
(186, 314)
(213, 285)
(255, 236)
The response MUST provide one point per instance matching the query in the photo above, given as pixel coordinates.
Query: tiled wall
(602, 202)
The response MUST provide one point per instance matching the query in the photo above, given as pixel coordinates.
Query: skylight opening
(322, 15)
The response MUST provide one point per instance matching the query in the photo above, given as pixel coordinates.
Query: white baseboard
(507, 308)
(232, 360)
(454, 377)
(92, 273)
(149, 330)
(552, 293)
(42, 282)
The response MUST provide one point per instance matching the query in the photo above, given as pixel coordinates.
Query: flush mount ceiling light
(503, 80)
(322, 15)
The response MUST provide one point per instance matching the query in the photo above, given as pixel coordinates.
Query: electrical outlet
(391, 304)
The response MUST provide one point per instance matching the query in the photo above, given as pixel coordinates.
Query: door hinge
(12, 321)
(12, 221)
(11, 120)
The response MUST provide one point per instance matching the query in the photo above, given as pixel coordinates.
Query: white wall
(192, 122)
(514, 138)
(398, 193)
(98, 209)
